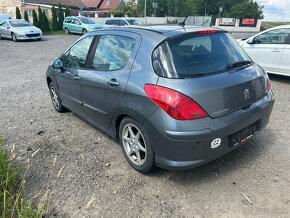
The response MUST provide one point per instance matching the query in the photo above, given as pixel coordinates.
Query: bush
(35, 19)
(18, 14)
(26, 16)
(60, 16)
(54, 19)
(67, 12)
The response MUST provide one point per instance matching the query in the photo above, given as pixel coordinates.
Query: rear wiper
(238, 64)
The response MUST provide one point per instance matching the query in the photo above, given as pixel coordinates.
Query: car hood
(30, 29)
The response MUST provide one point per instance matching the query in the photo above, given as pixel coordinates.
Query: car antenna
(183, 22)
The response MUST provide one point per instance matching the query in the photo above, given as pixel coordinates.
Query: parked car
(5, 17)
(81, 25)
(270, 49)
(121, 22)
(19, 30)
(176, 97)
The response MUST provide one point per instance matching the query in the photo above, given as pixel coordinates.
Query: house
(91, 8)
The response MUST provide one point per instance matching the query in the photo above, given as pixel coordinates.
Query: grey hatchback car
(175, 97)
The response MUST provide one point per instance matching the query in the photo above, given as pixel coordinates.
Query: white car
(270, 49)
(121, 22)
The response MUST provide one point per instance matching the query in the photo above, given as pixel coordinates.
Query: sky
(276, 10)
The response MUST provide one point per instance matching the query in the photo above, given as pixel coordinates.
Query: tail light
(174, 103)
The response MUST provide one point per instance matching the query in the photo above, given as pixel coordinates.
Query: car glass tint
(64, 59)
(278, 36)
(19, 23)
(108, 22)
(196, 54)
(78, 53)
(116, 22)
(123, 23)
(87, 21)
(113, 52)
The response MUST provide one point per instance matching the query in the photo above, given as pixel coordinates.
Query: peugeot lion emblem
(247, 94)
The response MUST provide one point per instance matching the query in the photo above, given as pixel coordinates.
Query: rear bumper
(190, 146)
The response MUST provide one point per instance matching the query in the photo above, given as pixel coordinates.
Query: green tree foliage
(26, 16)
(35, 19)
(40, 18)
(54, 19)
(67, 12)
(231, 8)
(46, 27)
(18, 14)
(60, 16)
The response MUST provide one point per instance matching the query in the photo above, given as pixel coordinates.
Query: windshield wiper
(239, 64)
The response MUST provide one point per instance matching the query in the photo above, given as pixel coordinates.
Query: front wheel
(14, 38)
(136, 146)
(84, 31)
(55, 98)
(66, 30)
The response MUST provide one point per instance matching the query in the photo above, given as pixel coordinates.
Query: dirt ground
(92, 178)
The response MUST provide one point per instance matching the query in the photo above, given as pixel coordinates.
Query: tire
(0, 37)
(136, 141)
(55, 98)
(14, 39)
(66, 30)
(84, 31)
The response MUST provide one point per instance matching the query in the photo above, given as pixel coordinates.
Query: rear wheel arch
(48, 80)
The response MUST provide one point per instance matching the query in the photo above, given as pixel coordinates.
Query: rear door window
(196, 55)
(278, 36)
(113, 52)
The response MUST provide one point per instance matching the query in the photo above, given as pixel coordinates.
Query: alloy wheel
(134, 144)
(54, 97)
(14, 37)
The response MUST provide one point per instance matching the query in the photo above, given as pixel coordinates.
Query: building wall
(238, 28)
(9, 7)
(29, 9)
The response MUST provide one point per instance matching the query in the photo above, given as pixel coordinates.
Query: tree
(67, 12)
(18, 14)
(40, 18)
(26, 16)
(35, 19)
(60, 16)
(45, 23)
(54, 19)
(248, 9)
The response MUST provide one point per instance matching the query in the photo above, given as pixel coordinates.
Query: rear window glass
(196, 55)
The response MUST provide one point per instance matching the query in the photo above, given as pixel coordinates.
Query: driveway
(91, 176)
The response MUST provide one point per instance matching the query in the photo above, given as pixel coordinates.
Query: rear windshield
(197, 55)
(134, 22)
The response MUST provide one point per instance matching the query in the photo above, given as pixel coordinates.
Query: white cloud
(276, 10)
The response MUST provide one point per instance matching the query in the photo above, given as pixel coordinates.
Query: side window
(109, 22)
(5, 24)
(273, 37)
(116, 22)
(123, 23)
(77, 22)
(78, 53)
(64, 58)
(113, 52)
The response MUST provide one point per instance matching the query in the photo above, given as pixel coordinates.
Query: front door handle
(113, 82)
(76, 77)
(276, 50)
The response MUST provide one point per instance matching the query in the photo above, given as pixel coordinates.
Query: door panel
(285, 64)
(103, 86)
(69, 78)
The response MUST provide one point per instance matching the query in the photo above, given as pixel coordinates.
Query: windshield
(197, 55)
(87, 20)
(19, 23)
(134, 22)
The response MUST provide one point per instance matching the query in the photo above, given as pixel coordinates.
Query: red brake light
(206, 31)
(175, 104)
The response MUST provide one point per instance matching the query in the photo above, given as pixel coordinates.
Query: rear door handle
(113, 82)
(276, 50)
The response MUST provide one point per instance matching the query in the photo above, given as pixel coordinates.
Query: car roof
(165, 30)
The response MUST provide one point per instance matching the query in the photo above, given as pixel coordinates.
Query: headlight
(21, 32)
(91, 28)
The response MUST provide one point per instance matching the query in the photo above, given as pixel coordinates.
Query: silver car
(19, 30)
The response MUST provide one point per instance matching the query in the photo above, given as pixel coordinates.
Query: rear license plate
(244, 134)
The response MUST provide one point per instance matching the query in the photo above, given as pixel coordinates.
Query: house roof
(109, 4)
(71, 3)
(92, 3)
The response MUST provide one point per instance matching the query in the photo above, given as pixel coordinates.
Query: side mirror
(8, 27)
(251, 41)
(57, 64)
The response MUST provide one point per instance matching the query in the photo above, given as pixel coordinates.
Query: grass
(60, 32)
(266, 25)
(12, 188)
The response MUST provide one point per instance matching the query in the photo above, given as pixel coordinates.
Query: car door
(285, 64)
(68, 79)
(102, 87)
(78, 26)
(5, 30)
(266, 49)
